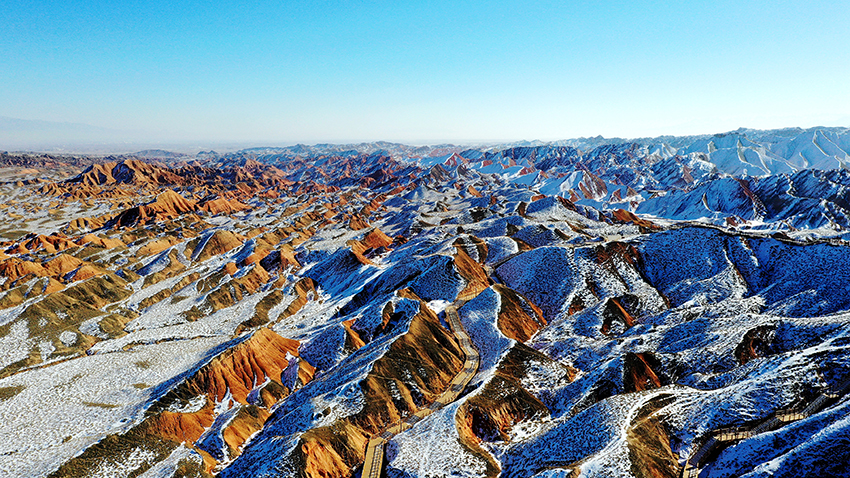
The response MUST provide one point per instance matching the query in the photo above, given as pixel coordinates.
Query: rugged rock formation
(757, 342)
(472, 271)
(105, 242)
(503, 402)
(614, 312)
(373, 242)
(357, 223)
(220, 205)
(154, 298)
(238, 370)
(490, 414)
(128, 172)
(625, 217)
(14, 268)
(61, 265)
(649, 443)
(56, 317)
(642, 371)
(220, 242)
(167, 205)
(280, 259)
(519, 319)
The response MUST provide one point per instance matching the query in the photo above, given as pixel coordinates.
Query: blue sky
(298, 71)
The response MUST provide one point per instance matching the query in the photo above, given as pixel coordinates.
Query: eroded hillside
(250, 316)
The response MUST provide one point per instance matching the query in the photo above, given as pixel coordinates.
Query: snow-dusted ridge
(625, 299)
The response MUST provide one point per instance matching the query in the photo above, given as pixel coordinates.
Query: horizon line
(180, 146)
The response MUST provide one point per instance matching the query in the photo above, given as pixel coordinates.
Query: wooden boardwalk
(724, 437)
(374, 462)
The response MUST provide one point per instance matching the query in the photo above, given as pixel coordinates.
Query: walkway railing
(723, 437)
(373, 464)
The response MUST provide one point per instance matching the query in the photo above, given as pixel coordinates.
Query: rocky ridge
(267, 313)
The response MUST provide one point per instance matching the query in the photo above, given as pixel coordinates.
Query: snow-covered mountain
(723, 179)
(631, 308)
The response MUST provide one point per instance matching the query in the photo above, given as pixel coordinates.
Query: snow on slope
(433, 448)
(72, 404)
(730, 326)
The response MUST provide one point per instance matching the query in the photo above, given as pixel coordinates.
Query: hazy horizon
(75, 145)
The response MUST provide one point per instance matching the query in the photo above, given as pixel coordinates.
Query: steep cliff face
(373, 242)
(352, 338)
(643, 371)
(471, 270)
(357, 223)
(625, 217)
(627, 253)
(220, 242)
(280, 259)
(757, 342)
(615, 313)
(519, 319)
(264, 356)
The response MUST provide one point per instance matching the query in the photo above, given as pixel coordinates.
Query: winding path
(724, 437)
(374, 461)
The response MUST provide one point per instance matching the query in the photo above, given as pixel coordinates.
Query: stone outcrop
(374, 241)
(756, 343)
(615, 313)
(642, 371)
(519, 319)
(626, 217)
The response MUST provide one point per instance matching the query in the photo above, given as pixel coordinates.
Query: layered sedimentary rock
(272, 311)
(246, 380)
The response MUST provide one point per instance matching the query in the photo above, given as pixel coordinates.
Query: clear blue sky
(309, 71)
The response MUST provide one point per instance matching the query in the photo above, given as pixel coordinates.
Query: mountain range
(663, 307)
